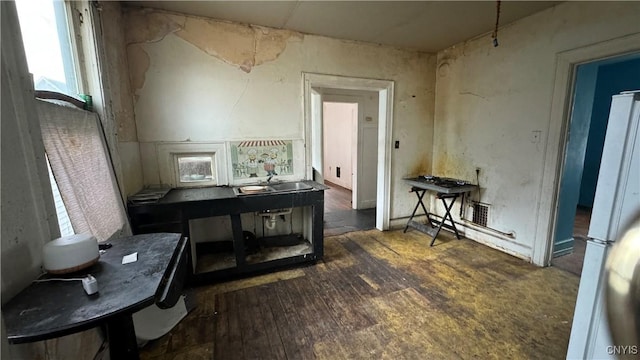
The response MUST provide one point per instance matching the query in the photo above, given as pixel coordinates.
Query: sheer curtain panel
(80, 163)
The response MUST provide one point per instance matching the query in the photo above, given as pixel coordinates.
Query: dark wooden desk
(46, 310)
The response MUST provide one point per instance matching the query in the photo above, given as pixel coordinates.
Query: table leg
(433, 230)
(317, 227)
(447, 215)
(122, 338)
(420, 195)
(238, 241)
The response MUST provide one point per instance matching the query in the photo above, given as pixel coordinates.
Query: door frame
(578, 125)
(557, 129)
(385, 89)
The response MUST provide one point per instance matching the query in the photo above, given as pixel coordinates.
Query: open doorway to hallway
(380, 118)
(595, 83)
(339, 217)
(349, 156)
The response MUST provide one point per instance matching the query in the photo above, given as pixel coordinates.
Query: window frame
(68, 21)
(72, 60)
(168, 153)
(195, 183)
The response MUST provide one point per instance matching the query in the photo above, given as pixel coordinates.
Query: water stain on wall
(449, 166)
(420, 168)
(271, 43)
(147, 25)
(243, 46)
(139, 63)
(240, 45)
(231, 43)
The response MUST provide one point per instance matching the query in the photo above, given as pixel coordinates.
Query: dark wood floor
(573, 262)
(336, 198)
(383, 295)
(340, 217)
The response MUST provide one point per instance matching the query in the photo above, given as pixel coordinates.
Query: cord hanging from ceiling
(494, 36)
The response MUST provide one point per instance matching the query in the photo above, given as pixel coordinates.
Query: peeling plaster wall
(117, 69)
(204, 80)
(490, 100)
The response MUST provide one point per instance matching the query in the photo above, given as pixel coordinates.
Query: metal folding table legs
(433, 227)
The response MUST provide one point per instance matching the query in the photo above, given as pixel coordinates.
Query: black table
(46, 310)
(445, 189)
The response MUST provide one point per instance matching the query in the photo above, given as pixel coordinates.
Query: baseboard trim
(560, 248)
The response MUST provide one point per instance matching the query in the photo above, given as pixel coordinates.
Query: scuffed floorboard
(383, 295)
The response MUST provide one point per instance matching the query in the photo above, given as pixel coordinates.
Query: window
(50, 59)
(64, 223)
(195, 169)
(52, 40)
(47, 43)
(190, 164)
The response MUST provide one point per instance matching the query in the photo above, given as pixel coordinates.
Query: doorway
(349, 143)
(340, 139)
(315, 85)
(594, 85)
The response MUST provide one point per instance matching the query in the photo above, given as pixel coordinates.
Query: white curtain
(81, 166)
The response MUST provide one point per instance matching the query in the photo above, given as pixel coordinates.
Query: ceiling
(422, 25)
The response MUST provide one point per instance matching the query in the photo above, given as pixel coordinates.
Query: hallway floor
(339, 217)
(573, 262)
(383, 295)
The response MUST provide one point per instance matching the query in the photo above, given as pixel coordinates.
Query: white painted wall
(489, 101)
(234, 82)
(340, 121)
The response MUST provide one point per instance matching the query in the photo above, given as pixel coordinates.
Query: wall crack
(246, 86)
(472, 94)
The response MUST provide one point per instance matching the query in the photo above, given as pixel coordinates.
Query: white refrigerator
(617, 201)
